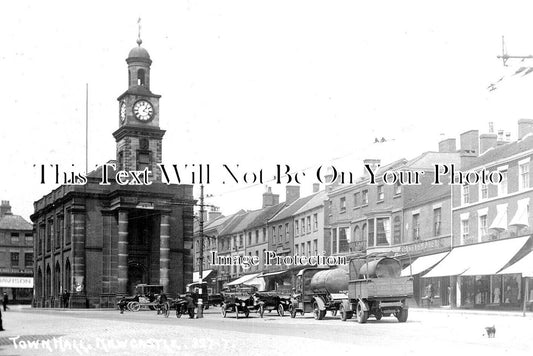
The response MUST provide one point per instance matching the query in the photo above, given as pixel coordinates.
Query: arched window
(141, 77)
(68, 277)
(57, 280)
(357, 233)
(39, 284)
(48, 282)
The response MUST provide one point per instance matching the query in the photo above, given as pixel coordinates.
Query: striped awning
(523, 266)
(485, 258)
(243, 279)
(422, 264)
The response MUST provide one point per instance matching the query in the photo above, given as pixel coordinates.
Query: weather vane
(139, 41)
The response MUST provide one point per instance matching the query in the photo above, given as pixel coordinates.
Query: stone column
(122, 252)
(164, 252)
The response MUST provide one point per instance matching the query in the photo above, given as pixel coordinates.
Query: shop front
(417, 264)
(19, 290)
(475, 280)
(492, 292)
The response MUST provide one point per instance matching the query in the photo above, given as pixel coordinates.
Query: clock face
(143, 110)
(122, 111)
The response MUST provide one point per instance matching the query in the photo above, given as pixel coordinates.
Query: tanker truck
(377, 289)
(319, 290)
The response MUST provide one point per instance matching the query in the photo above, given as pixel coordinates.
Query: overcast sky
(256, 83)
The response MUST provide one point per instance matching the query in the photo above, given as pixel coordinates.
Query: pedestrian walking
(4, 301)
(190, 305)
(66, 297)
(430, 293)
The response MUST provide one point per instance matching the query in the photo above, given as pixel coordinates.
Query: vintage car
(147, 296)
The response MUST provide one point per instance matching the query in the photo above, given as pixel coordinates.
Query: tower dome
(138, 53)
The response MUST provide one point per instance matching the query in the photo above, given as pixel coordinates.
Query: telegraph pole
(505, 57)
(201, 269)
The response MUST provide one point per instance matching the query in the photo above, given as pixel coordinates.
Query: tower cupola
(139, 65)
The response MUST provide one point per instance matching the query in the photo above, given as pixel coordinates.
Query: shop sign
(427, 245)
(16, 282)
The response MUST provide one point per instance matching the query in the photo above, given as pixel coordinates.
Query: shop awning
(423, 263)
(500, 221)
(205, 274)
(243, 279)
(272, 274)
(258, 282)
(523, 266)
(478, 259)
(521, 217)
(16, 282)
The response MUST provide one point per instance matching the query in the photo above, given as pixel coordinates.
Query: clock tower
(139, 138)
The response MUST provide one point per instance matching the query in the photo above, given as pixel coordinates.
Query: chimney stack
(470, 142)
(270, 199)
(5, 208)
(469, 147)
(373, 163)
(447, 146)
(525, 126)
(316, 187)
(213, 214)
(487, 141)
(292, 193)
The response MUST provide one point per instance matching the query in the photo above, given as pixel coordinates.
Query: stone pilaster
(78, 253)
(122, 252)
(164, 252)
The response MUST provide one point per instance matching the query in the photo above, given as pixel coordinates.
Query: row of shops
(488, 275)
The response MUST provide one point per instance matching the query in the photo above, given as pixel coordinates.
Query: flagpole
(86, 128)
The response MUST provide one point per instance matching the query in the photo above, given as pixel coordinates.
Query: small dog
(491, 331)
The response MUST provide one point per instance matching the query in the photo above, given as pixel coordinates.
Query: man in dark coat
(190, 305)
(122, 305)
(66, 297)
(4, 301)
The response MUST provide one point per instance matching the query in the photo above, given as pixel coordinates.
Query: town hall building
(97, 242)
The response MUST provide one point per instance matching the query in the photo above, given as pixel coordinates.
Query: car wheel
(281, 310)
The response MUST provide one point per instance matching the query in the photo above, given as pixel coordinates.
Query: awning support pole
(525, 296)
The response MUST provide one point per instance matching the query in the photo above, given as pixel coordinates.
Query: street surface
(104, 332)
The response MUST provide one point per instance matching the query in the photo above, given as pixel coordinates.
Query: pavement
(107, 332)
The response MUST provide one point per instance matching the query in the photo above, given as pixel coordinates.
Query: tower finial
(139, 41)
